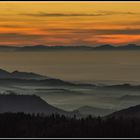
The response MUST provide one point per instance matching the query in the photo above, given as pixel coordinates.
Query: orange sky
(69, 23)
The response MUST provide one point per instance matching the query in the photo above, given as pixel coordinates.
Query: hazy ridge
(63, 48)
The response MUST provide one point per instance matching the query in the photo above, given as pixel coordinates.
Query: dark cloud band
(98, 13)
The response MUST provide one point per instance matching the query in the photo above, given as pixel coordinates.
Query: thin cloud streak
(127, 31)
(98, 13)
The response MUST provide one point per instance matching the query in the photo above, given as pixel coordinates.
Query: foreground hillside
(94, 111)
(28, 104)
(131, 112)
(22, 125)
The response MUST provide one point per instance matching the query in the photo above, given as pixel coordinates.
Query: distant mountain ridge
(30, 78)
(35, 48)
(124, 86)
(20, 75)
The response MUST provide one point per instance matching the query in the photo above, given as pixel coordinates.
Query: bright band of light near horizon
(69, 23)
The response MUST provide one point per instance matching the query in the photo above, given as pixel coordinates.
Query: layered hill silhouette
(130, 98)
(124, 86)
(33, 104)
(131, 112)
(20, 75)
(29, 78)
(94, 111)
(13, 103)
(17, 77)
(61, 48)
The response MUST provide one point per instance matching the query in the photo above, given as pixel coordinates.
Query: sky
(69, 23)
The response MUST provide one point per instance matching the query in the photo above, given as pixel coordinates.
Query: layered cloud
(127, 31)
(84, 24)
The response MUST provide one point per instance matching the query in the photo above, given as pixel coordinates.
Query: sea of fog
(98, 67)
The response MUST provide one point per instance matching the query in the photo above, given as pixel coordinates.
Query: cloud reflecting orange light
(59, 24)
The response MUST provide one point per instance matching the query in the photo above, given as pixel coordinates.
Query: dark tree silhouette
(26, 125)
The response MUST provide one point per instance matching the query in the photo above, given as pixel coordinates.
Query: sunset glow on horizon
(69, 23)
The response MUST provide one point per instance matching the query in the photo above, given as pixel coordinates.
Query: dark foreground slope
(54, 122)
(131, 112)
(28, 104)
(94, 111)
(35, 126)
